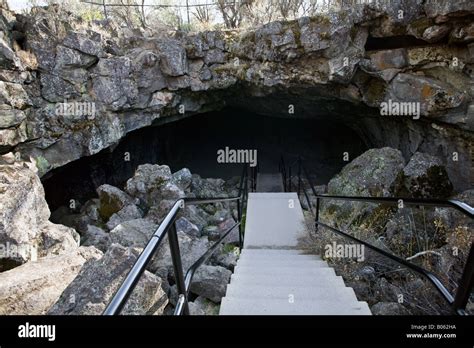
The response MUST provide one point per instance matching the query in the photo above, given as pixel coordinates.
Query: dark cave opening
(379, 43)
(193, 142)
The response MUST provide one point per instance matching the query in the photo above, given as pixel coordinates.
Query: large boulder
(32, 288)
(372, 174)
(173, 60)
(202, 306)
(95, 236)
(98, 280)
(112, 200)
(207, 187)
(182, 178)
(127, 213)
(134, 233)
(25, 231)
(447, 7)
(184, 225)
(433, 96)
(148, 182)
(211, 282)
(424, 177)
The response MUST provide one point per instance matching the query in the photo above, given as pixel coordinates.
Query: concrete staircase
(273, 277)
(269, 182)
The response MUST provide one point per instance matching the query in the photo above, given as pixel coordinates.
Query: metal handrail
(168, 226)
(457, 303)
(192, 270)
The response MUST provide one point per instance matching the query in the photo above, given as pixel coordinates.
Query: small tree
(232, 11)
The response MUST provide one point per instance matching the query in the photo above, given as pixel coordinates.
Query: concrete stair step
(284, 270)
(301, 293)
(264, 251)
(283, 263)
(269, 306)
(279, 257)
(326, 277)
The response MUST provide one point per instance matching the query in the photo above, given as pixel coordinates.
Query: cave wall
(134, 80)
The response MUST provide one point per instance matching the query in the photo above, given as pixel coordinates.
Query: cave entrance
(193, 142)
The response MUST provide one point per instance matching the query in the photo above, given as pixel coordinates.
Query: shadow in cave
(193, 143)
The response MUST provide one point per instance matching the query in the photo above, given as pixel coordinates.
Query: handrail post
(299, 175)
(466, 283)
(289, 179)
(239, 216)
(177, 266)
(317, 213)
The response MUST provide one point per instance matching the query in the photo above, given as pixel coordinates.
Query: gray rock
(91, 209)
(98, 280)
(127, 213)
(226, 256)
(10, 117)
(173, 295)
(433, 95)
(197, 216)
(435, 33)
(366, 273)
(112, 200)
(386, 291)
(446, 7)
(211, 282)
(148, 181)
(56, 89)
(207, 187)
(96, 237)
(170, 191)
(33, 288)
(25, 230)
(77, 221)
(202, 306)
(67, 58)
(173, 60)
(233, 237)
(134, 233)
(184, 225)
(83, 43)
(182, 178)
(389, 59)
(13, 136)
(212, 232)
(463, 34)
(424, 177)
(14, 95)
(194, 309)
(372, 174)
(389, 308)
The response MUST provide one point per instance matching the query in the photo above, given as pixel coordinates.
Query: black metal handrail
(168, 227)
(457, 303)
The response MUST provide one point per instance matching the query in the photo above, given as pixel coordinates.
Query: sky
(17, 5)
